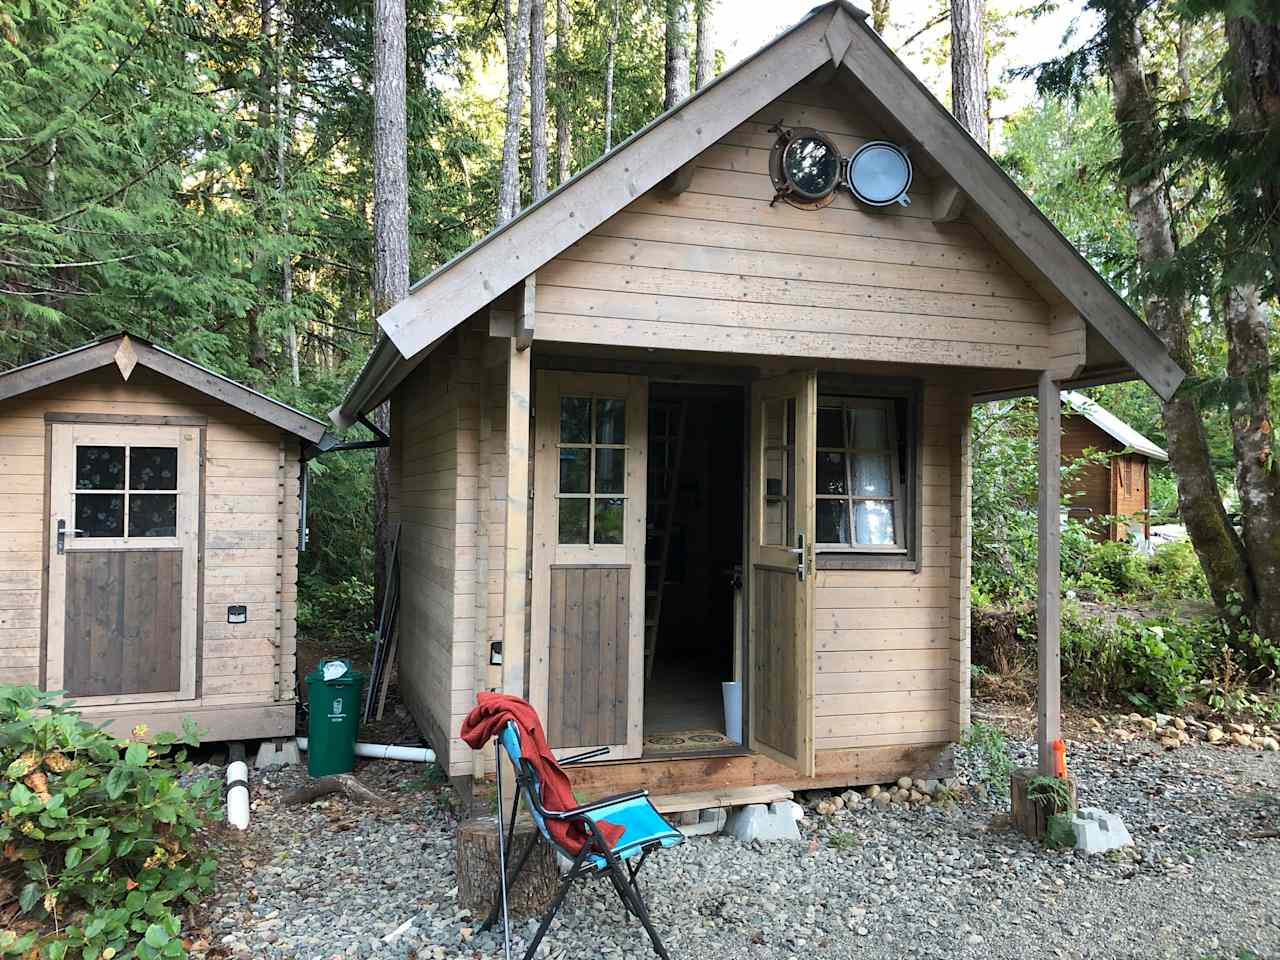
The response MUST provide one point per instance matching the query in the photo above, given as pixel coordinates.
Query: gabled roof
(127, 351)
(1113, 426)
(834, 33)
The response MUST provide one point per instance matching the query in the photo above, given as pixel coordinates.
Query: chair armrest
(595, 806)
(579, 757)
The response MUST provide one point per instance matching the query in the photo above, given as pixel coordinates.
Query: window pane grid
(591, 487)
(128, 504)
(866, 513)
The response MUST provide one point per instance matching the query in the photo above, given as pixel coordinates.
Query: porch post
(1048, 606)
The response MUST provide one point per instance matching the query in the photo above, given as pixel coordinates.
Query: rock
(904, 783)
(873, 791)
(1180, 723)
(921, 786)
(1170, 743)
(1150, 724)
(1257, 742)
(1247, 728)
(1215, 734)
(882, 800)
(1271, 743)
(825, 808)
(1241, 740)
(1163, 719)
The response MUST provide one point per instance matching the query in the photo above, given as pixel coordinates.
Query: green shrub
(1152, 664)
(337, 612)
(991, 750)
(1176, 573)
(97, 833)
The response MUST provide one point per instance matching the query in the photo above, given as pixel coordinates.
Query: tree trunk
(476, 848)
(263, 171)
(610, 60)
(677, 73)
(517, 28)
(1219, 548)
(284, 135)
(705, 50)
(390, 227)
(879, 15)
(1253, 99)
(538, 98)
(969, 68)
(564, 94)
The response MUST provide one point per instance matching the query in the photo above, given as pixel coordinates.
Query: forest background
(202, 174)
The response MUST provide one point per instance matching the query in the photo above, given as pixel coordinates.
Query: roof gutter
(368, 384)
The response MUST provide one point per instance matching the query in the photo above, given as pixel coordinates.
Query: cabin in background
(149, 558)
(1120, 488)
(673, 427)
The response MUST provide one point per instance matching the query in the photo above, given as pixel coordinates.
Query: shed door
(587, 639)
(781, 509)
(123, 542)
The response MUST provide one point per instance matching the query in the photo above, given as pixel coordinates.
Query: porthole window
(879, 174)
(805, 167)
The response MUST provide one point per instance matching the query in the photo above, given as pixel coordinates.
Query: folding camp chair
(644, 830)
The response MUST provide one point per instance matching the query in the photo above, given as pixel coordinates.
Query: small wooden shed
(149, 555)
(1120, 488)
(675, 426)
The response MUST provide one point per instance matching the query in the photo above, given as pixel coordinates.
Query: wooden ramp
(711, 799)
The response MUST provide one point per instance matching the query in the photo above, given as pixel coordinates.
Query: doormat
(687, 741)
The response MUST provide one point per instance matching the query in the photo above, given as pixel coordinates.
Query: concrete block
(272, 754)
(705, 823)
(1098, 831)
(758, 822)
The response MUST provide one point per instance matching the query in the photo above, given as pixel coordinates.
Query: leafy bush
(339, 612)
(97, 833)
(1153, 664)
(1176, 573)
(990, 750)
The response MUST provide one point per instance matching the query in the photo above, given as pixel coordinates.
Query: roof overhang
(834, 35)
(127, 352)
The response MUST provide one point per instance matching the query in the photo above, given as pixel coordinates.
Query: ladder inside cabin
(666, 446)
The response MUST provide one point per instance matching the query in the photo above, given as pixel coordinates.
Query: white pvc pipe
(387, 751)
(238, 794)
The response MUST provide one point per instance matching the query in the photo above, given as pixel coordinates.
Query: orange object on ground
(486, 720)
(1059, 758)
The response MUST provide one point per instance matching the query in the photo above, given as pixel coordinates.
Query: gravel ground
(332, 879)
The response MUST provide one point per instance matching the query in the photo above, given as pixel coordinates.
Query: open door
(780, 566)
(586, 650)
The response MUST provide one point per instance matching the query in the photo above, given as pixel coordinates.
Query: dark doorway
(693, 561)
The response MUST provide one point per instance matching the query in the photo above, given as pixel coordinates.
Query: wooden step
(730, 797)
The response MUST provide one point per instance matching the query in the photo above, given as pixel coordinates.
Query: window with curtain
(860, 495)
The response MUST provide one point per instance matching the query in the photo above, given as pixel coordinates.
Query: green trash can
(333, 701)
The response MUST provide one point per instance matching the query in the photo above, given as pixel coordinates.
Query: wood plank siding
(249, 531)
(892, 645)
(1116, 487)
(449, 473)
(717, 267)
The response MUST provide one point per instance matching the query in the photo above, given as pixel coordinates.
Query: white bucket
(732, 690)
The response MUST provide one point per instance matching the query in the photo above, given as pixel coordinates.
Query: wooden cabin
(1113, 498)
(149, 559)
(678, 424)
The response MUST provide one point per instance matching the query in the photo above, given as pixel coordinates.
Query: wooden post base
(477, 866)
(1032, 813)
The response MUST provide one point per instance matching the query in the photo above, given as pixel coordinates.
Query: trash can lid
(336, 671)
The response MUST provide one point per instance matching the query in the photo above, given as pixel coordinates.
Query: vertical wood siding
(250, 534)
(588, 647)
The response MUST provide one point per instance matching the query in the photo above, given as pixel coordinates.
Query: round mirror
(805, 165)
(879, 174)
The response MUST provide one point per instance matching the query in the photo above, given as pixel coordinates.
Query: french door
(586, 663)
(780, 564)
(123, 556)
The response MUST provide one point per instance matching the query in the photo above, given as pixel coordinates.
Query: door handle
(62, 535)
(802, 558)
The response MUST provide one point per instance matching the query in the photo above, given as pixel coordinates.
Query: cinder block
(758, 822)
(1098, 831)
(271, 754)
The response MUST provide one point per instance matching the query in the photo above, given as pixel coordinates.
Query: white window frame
(898, 498)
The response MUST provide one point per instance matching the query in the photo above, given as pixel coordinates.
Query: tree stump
(477, 866)
(1032, 813)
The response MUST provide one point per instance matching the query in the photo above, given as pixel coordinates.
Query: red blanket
(487, 719)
